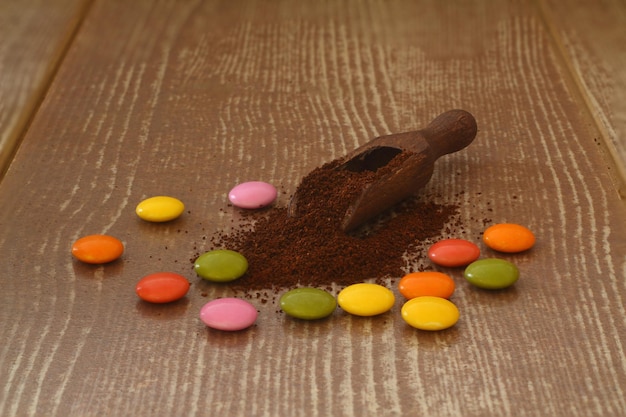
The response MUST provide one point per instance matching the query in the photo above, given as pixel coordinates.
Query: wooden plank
(190, 98)
(33, 36)
(593, 41)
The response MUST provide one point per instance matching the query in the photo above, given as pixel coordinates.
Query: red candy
(453, 252)
(162, 287)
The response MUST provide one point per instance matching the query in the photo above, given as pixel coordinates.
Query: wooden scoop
(447, 133)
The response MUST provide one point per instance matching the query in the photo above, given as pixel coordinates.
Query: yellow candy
(365, 299)
(430, 313)
(160, 209)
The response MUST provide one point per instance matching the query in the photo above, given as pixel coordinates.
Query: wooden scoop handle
(450, 132)
(447, 133)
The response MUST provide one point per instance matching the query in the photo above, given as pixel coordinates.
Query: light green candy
(221, 265)
(491, 273)
(308, 303)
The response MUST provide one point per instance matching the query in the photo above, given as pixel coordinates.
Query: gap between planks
(32, 108)
(616, 169)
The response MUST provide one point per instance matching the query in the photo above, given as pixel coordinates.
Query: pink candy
(230, 314)
(252, 194)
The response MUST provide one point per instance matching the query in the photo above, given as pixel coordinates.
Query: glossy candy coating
(430, 313)
(418, 284)
(509, 237)
(308, 303)
(160, 209)
(453, 252)
(221, 265)
(365, 299)
(229, 314)
(253, 194)
(491, 273)
(97, 249)
(162, 287)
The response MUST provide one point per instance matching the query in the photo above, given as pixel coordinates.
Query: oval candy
(491, 273)
(162, 287)
(418, 284)
(308, 303)
(509, 237)
(430, 313)
(253, 194)
(97, 249)
(221, 265)
(366, 299)
(160, 209)
(453, 252)
(229, 314)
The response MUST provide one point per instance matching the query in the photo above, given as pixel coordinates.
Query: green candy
(308, 303)
(491, 273)
(221, 265)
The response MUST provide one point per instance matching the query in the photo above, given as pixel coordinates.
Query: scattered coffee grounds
(305, 246)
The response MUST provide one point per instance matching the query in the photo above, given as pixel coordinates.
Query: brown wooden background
(111, 102)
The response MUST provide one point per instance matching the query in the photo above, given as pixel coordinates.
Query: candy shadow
(430, 340)
(165, 311)
(503, 297)
(230, 339)
(307, 329)
(365, 326)
(98, 271)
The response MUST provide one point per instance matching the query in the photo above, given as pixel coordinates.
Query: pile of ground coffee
(310, 249)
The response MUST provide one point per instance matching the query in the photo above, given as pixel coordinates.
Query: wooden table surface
(105, 103)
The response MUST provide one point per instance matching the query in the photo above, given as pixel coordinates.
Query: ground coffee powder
(310, 249)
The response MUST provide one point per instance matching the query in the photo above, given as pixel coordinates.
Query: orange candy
(418, 284)
(97, 249)
(509, 237)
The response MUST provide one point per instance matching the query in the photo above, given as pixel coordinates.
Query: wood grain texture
(593, 40)
(33, 36)
(190, 98)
